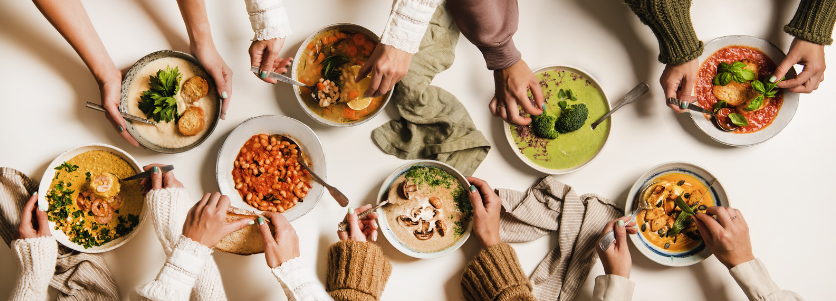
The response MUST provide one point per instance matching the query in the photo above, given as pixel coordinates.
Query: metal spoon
(289, 80)
(339, 196)
(609, 238)
(678, 103)
(344, 225)
(631, 96)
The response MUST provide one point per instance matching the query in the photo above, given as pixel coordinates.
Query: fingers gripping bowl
(430, 213)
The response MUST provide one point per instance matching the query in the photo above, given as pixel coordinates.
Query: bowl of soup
(330, 59)
(429, 212)
(673, 192)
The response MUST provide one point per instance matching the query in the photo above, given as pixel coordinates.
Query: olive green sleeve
(670, 21)
(813, 21)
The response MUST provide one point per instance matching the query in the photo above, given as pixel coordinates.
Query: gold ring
(734, 217)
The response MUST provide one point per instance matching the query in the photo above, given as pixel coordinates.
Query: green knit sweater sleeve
(670, 21)
(813, 21)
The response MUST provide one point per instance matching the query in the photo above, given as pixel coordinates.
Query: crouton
(192, 121)
(193, 89)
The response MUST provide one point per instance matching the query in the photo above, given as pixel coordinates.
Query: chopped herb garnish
(67, 166)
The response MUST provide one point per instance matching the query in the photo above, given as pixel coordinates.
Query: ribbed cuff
(180, 272)
(502, 56)
(495, 273)
(357, 271)
(813, 21)
(670, 21)
(613, 288)
(36, 258)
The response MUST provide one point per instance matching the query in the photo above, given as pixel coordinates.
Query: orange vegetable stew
(267, 174)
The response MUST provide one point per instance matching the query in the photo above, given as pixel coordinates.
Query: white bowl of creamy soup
(430, 214)
(172, 89)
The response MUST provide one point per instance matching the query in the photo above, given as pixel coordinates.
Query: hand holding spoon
(637, 91)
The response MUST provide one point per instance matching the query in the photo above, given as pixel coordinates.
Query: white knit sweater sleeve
(169, 208)
(36, 264)
(755, 281)
(299, 281)
(268, 19)
(179, 274)
(407, 23)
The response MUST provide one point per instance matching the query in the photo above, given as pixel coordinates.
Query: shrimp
(116, 201)
(102, 183)
(82, 202)
(102, 211)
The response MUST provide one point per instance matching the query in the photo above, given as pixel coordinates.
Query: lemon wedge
(360, 102)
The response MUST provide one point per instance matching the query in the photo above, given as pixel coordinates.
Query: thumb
(620, 234)
(263, 227)
(43, 223)
(785, 66)
(156, 178)
(354, 231)
(365, 70)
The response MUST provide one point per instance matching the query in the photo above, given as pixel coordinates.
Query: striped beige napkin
(78, 276)
(549, 205)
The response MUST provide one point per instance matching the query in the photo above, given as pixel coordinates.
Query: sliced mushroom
(441, 227)
(436, 212)
(406, 221)
(416, 212)
(408, 188)
(436, 202)
(424, 232)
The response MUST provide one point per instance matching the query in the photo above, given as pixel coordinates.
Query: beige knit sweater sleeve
(357, 271)
(36, 264)
(496, 274)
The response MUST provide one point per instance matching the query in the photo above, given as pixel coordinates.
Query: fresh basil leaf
(684, 206)
(723, 67)
(738, 65)
(758, 86)
(738, 120)
(562, 104)
(719, 105)
(769, 86)
(726, 79)
(561, 94)
(748, 74)
(738, 78)
(569, 94)
(771, 94)
(755, 103)
(574, 98)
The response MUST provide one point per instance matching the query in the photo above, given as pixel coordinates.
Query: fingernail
(773, 79)
(544, 106)
(34, 193)
(374, 238)
(260, 220)
(263, 74)
(350, 210)
(224, 95)
(223, 116)
(472, 188)
(620, 223)
(156, 169)
(121, 129)
(283, 73)
(288, 64)
(251, 223)
(683, 105)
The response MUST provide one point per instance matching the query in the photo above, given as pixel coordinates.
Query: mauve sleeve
(490, 25)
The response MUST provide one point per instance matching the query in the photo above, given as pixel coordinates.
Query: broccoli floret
(543, 125)
(572, 118)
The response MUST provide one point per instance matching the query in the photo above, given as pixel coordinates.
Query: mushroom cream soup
(166, 134)
(429, 210)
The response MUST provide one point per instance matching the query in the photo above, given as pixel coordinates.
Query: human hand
(387, 65)
(206, 222)
(30, 228)
(282, 246)
(809, 54)
(359, 230)
(486, 208)
(616, 259)
(265, 55)
(678, 81)
(110, 87)
(159, 180)
(728, 239)
(511, 89)
(218, 70)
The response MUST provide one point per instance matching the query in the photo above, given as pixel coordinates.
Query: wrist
(200, 39)
(733, 262)
(108, 76)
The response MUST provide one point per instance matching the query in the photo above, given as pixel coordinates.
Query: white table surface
(783, 186)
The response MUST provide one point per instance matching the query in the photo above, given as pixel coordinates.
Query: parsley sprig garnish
(158, 103)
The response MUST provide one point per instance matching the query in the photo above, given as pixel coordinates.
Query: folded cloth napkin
(433, 124)
(78, 276)
(549, 205)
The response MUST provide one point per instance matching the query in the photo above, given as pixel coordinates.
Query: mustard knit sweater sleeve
(813, 21)
(496, 274)
(357, 271)
(670, 21)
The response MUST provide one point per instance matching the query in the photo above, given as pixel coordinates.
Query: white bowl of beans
(257, 166)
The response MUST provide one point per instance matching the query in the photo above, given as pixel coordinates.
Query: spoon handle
(343, 226)
(280, 78)
(336, 193)
(631, 96)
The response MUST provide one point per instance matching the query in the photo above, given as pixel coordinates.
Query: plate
(211, 122)
(293, 72)
(784, 116)
(660, 255)
(590, 120)
(384, 225)
(49, 175)
(271, 124)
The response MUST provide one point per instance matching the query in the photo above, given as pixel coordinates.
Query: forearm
(197, 24)
(299, 281)
(71, 20)
(180, 272)
(36, 263)
(268, 18)
(755, 281)
(813, 21)
(613, 288)
(670, 21)
(407, 24)
(490, 25)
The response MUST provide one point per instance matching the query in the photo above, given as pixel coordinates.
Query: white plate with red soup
(258, 167)
(733, 81)
(330, 59)
(674, 191)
